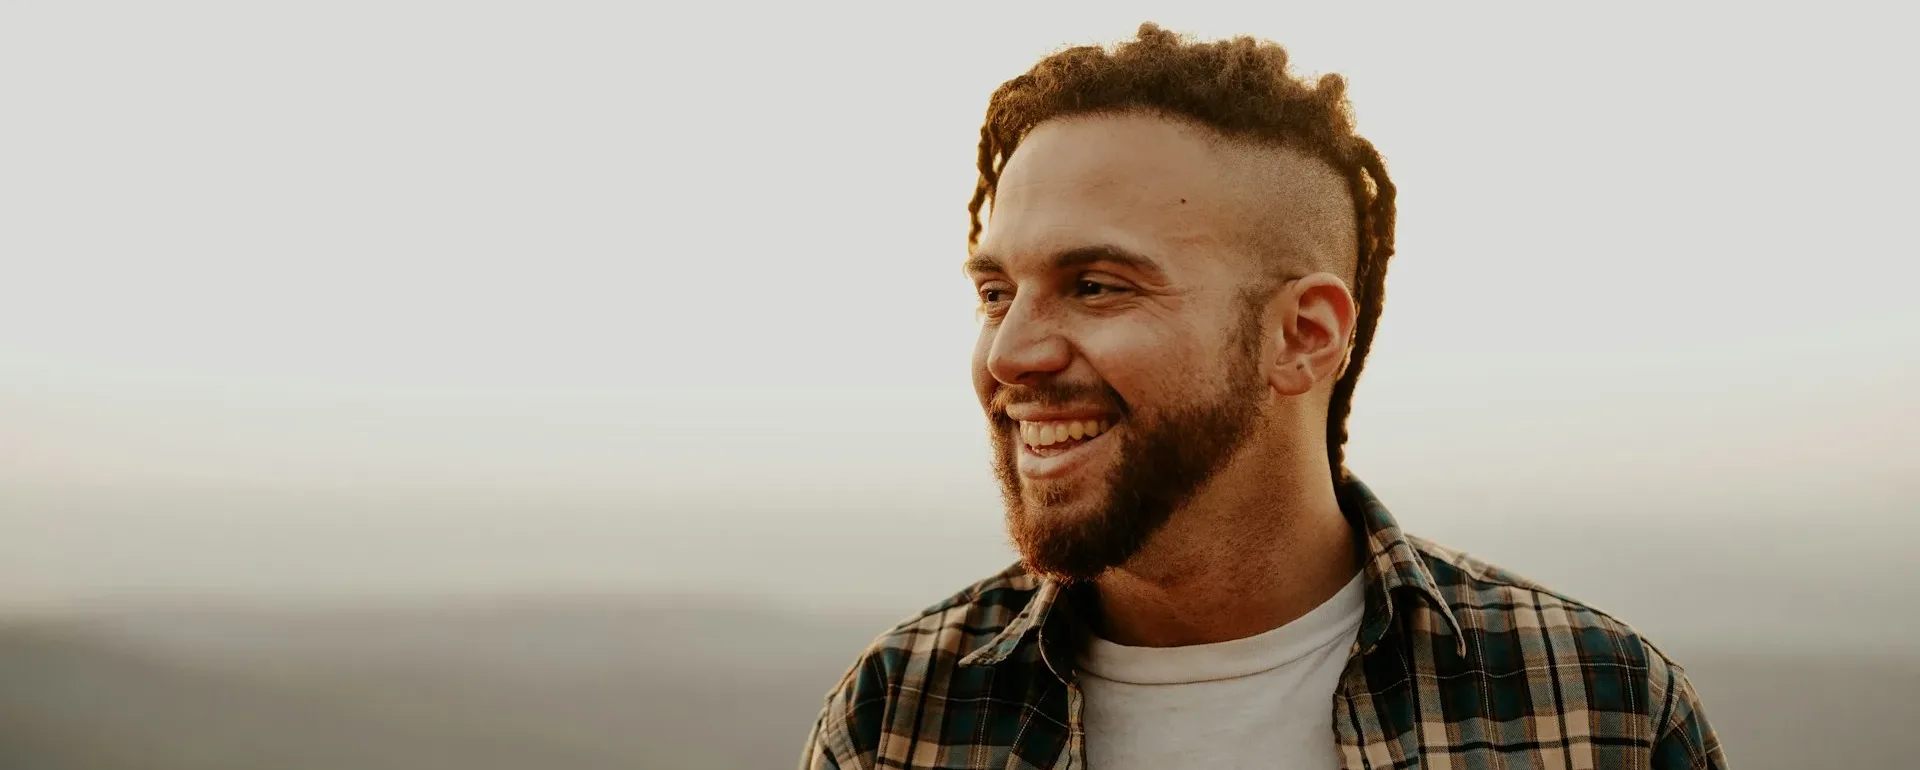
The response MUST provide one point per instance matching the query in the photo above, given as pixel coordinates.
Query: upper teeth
(1056, 431)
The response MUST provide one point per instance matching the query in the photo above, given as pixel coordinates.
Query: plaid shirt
(1458, 664)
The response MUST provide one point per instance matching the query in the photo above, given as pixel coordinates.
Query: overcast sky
(412, 297)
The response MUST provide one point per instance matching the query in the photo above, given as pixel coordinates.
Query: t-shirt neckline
(1332, 621)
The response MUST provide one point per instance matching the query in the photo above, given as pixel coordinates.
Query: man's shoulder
(1475, 588)
(1524, 643)
(1514, 619)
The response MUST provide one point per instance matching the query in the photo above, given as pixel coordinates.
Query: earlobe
(1290, 373)
(1322, 327)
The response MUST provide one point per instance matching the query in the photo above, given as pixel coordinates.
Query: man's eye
(1093, 288)
(993, 298)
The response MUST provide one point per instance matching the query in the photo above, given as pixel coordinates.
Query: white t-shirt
(1265, 701)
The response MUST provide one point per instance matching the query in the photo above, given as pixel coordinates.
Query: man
(1178, 290)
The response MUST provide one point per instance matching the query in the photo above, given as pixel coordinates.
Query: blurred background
(489, 385)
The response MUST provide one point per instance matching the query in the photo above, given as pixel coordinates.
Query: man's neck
(1230, 566)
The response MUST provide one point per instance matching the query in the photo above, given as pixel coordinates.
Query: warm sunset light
(371, 304)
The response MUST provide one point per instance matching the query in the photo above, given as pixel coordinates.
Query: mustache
(1055, 394)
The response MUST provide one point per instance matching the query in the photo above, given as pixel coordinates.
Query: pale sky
(406, 297)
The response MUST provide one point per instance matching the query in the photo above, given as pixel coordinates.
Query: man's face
(1119, 350)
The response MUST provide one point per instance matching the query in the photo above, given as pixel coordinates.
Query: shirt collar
(1392, 565)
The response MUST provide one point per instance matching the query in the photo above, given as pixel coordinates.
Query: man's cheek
(983, 383)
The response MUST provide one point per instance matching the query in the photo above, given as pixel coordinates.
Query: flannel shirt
(1457, 664)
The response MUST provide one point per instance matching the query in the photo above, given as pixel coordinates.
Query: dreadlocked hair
(1240, 88)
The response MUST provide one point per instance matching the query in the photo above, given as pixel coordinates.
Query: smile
(1054, 432)
(1053, 448)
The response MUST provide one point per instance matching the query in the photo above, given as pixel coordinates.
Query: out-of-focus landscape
(637, 683)
(420, 384)
(632, 684)
(1800, 663)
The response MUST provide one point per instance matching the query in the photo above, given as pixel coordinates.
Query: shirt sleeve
(1686, 740)
(815, 755)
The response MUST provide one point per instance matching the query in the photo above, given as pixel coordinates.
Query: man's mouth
(1047, 438)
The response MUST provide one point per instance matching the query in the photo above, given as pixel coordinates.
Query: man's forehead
(1132, 159)
(1154, 184)
(1089, 185)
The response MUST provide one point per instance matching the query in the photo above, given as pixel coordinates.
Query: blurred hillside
(647, 683)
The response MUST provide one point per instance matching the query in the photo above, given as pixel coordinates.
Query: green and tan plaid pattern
(1458, 664)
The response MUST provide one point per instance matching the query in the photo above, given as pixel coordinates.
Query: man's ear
(1314, 318)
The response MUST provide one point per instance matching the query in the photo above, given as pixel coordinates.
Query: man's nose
(1027, 345)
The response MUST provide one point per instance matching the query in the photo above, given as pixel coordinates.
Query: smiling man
(1178, 287)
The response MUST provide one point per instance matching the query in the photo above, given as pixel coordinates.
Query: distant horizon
(612, 687)
(1764, 584)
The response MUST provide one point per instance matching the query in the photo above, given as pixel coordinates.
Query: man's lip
(1057, 415)
(1036, 466)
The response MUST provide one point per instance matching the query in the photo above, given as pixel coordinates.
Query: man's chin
(1066, 540)
(1061, 567)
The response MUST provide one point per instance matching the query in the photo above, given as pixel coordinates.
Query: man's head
(1183, 268)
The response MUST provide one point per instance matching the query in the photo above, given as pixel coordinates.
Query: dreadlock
(1240, 88)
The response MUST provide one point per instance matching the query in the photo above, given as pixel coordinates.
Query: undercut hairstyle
(1240, 88)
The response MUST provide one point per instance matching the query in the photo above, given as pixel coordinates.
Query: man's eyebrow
(981, 263)
(1077, 257)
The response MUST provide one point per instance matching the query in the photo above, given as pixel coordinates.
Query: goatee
(1164, 458)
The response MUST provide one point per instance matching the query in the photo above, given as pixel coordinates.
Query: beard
(1165, 457)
